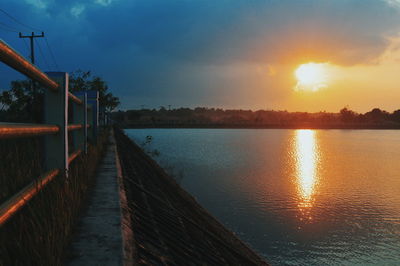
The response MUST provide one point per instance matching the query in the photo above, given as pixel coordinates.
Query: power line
(32, 28)
(26, 45)
(31, 38)
(19, 22)
(42, 54)
(34, 99)
(7, 28)
(52, 55)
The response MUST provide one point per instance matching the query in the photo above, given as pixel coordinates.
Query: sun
(311, 76)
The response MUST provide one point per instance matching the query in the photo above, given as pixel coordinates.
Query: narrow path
(161, 224)
(99, 240)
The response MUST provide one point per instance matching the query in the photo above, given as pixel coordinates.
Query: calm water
(298, 197)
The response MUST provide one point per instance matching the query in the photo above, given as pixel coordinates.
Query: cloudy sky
(225, 53)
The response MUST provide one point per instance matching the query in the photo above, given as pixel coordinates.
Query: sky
(228, 53)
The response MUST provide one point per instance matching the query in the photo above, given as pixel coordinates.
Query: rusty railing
(55, 129)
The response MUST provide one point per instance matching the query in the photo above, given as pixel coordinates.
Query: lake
(297, 197)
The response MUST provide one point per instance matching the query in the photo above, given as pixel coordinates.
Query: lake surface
(298, 197)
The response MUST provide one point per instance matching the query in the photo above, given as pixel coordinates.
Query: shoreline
(337, 127)
(155, 198)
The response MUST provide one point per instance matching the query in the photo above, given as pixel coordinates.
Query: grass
(15, 153)
(40, 232)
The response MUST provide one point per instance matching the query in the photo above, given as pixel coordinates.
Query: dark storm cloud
(224, 31)
(151, 50)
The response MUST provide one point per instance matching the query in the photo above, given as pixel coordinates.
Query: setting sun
(311, 76)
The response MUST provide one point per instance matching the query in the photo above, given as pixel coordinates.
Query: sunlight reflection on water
(299, 197)
(307, 159)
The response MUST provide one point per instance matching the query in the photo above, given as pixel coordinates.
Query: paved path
(99, 240)
(161, 223)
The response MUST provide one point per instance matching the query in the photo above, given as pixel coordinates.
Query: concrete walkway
(99, 240)
(170, 227)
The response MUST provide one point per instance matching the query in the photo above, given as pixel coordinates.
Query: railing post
(93, 115)
(102, 116)
(79, 118)
(85, 123)
(86, 117)
(56, 112)
(90, 123)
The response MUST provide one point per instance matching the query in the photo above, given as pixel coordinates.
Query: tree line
(23, 102)
(217, 117)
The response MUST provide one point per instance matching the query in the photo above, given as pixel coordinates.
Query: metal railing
(55, 129)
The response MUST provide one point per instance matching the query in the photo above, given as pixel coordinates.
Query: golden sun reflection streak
(306, 164)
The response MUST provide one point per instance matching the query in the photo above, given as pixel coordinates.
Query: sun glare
(311, 77)
(307, 153)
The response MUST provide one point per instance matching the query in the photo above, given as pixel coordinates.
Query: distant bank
(267, 126)
(202, 117)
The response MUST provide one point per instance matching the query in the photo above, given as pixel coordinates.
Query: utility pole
(34, 108)
(32, 43)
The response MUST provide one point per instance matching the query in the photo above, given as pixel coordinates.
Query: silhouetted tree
(23, 104)
(376, 115)
(347, 115)
(395, 116)
(218, 117)
(83, 80)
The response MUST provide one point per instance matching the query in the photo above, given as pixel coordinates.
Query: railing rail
(74, 98)
(74, 127)
(13, 59)
(73, 156)
(12, 130)
(16, 202)
(57, 157)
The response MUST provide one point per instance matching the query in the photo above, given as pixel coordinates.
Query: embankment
(169, 226)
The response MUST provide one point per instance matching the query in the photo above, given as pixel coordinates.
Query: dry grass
(40, 232)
